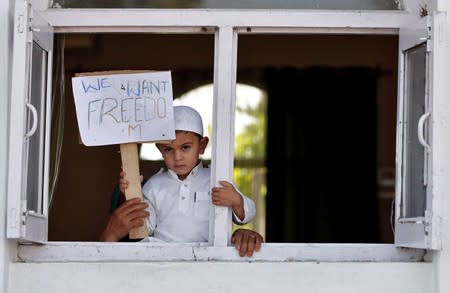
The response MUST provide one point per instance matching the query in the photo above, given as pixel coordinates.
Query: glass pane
(249, 150)
(191, 71)
(414, 193)
(35, 142)
(300, 152)
(236, 4)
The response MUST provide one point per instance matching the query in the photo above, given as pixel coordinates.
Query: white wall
(6, 21)
(441, 259)
(222, 277)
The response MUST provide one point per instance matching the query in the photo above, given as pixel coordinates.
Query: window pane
(35, 142)
(249, 149)
(414, 193)
(190, 58)
(314, 166)
(236, 4)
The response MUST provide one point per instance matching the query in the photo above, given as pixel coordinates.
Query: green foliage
(251, 143)
(250, 151)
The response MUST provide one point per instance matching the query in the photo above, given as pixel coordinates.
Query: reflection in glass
(37, 99)
(414, 193)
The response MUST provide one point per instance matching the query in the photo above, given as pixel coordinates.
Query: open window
(29, 132)
(415, 219)
(28, 166)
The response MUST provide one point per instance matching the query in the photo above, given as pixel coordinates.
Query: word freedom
(126, 110)
(136, 104)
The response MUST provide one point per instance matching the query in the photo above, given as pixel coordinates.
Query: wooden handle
(130, 165)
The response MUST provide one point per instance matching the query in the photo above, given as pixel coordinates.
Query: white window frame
(30, 29)
(418, 232)
(226, 25)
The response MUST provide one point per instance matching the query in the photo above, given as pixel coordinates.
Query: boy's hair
(188, 119)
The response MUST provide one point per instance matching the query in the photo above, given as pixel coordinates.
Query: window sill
(157, 252)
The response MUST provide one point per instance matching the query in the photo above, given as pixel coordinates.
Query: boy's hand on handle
(246, 241)
(229, 197)
(131, 214)
(123, 183)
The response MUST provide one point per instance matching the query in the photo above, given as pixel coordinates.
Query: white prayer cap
(188, 119)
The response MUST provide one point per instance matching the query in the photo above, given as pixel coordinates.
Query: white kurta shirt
(179, 209)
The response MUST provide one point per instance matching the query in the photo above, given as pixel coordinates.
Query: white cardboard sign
(124, 108)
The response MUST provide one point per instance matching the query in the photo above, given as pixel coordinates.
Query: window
(29, 133)
(226, 30)
(101, 165)
(415, 218)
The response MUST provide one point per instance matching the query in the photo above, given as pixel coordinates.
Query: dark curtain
(321, 155)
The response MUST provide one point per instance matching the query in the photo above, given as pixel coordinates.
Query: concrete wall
(222, 277)
(441, 259)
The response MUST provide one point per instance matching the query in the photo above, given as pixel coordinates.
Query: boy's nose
(177, 155)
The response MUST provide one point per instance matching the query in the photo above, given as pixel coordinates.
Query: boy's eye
(166, 150)
(186, 147)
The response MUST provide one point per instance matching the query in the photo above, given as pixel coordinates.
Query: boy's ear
(203, 143)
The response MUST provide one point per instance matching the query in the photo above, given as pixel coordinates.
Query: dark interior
(331, 129)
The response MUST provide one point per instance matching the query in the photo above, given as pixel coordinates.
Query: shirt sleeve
(151, 200)
(249, 209)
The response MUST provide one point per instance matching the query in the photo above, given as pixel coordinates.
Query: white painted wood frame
(418, 232)
(225, 24)
(30, 29)
(222, 154)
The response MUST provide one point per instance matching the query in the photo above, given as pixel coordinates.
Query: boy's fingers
(216, 190)
(246, 241)
(244, 244)
(258, 241)
(131, 205)
(140, 214)
(237, 240)
(224, 183)
(251, 244)
(135, 223)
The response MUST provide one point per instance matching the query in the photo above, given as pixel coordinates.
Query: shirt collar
(193, 172)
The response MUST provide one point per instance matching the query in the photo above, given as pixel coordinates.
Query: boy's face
(181, 155)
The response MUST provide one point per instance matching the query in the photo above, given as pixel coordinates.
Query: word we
(136, 88)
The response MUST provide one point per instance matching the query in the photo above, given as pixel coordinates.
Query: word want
(135, 88)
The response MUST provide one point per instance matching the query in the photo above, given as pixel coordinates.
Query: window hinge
(24, 213)
(30, 31)
(429, 42)
(431, 225)
(428, 221)
(21, 23)
(29, 26)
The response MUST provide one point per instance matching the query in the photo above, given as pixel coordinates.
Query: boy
(178, 200)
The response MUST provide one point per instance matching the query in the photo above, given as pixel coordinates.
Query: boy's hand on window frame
(246, 241)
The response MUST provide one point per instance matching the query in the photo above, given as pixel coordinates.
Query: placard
(124, 108)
